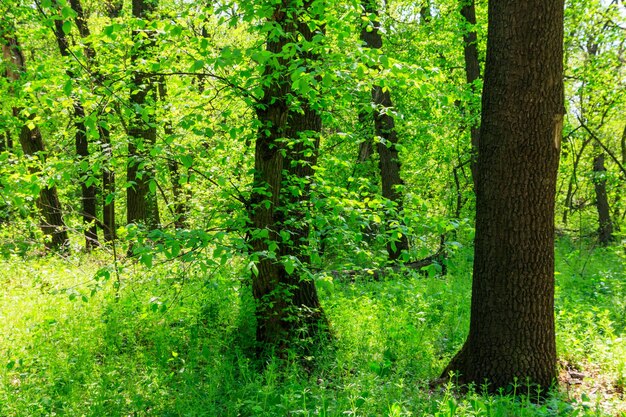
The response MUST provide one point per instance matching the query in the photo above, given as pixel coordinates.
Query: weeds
(186, 351)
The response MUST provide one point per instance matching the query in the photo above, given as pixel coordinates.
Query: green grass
(176, 341)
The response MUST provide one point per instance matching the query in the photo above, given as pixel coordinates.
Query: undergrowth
(176, 341)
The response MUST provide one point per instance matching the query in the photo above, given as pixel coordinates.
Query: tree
(472, 68)
(141, 201)
(32, 144)
(288, 308)
(88, 190)
(386, 135)
(512, 315)
(108, 173)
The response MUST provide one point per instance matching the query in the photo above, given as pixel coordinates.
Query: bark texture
(141, 203)
(512, 315)
(32, 144)
(288, 309)
(386, 135)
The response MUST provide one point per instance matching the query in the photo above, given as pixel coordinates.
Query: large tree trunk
(88, 192)
(32, 145)
(288, 309)
(141, 202)
(512, 332)
(387, 138)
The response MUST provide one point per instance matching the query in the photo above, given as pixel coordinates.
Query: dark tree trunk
(48, 202)
(88, 192)
(472, 72)
(32, 145)
(387, 138)
(141, 203)
(288, 310)
(512, 315)
(605, 225)
(114, 8)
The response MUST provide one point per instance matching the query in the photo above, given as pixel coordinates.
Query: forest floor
(176, 340)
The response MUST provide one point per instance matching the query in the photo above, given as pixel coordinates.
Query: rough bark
(88, 192)
(288, 309)
(141, 203)
(32, 144)
(472, 71)
(387, 137)
(512, 314)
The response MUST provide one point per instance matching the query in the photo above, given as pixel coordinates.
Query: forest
(312, 208)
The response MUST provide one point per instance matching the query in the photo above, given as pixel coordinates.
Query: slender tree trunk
(288, 309)
(6, 143)
(48, 202)
(32, 145)
(141, 202)
(88, 192)
(569, 197)
(472, 73)
(386, 145)
(512, 332)
(605, 225)
(108, 173)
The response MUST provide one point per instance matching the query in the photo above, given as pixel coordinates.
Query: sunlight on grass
(186, 351)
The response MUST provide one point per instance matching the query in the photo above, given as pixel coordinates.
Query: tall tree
(512, 314)
(141, 201)
(88, 191)
(605, 225)
(32, 144)
(386, 134)
(288, 308)
(472, 70)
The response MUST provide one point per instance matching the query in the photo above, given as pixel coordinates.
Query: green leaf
(67, 27)
(289, 265)
(199, 64)
(67, 87)
(146, 259)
